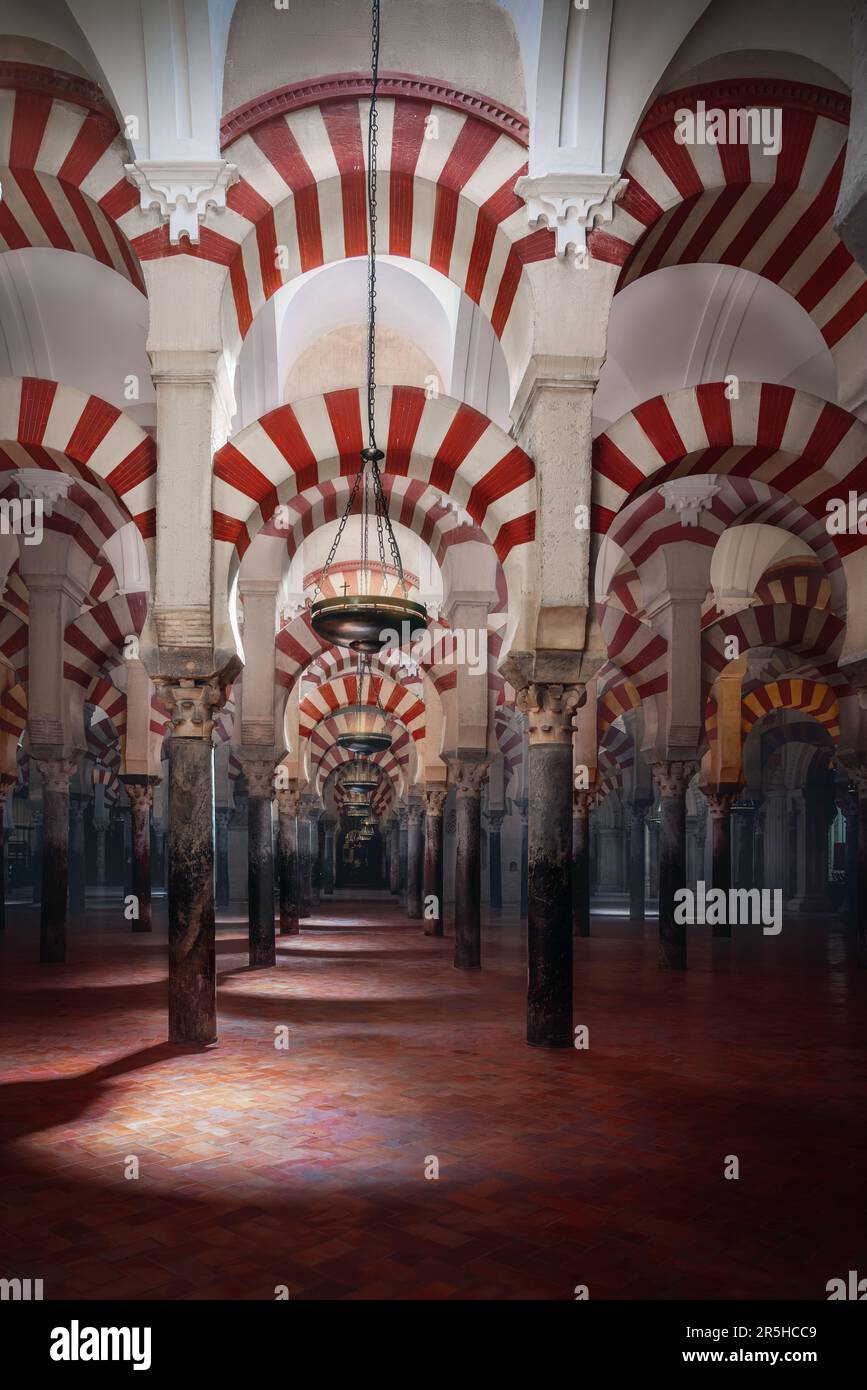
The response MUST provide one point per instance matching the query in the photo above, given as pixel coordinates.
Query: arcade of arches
(622, 394)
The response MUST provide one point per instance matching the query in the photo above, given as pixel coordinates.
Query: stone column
(414, 861)
(36, 864)
(100, 828)
(394, 856)
(223, 891)
(525, 856)
(434, 804)
(192, 945)
(140, 791)
(305, 837)
(328, 858)
(468, 777)
(847, 801)
(403, 838)
(653, 857)
(860, 780)
(582, 802)
(55, 773)
(77, 807)
(259, 774)
(495, 859)
(7, 782)
(317, 837)
(549, 710)
(288, 867)
(719, 805)
(672, 780)
(637, 811)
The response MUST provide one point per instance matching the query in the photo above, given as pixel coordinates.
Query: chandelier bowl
(364, 622)
(361, 741)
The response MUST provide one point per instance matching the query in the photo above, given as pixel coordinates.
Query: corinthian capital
(672, 778)
(434, 801)
(191, 705)
(56, 772)
(468, 777)
(549, 710)
(288, 800)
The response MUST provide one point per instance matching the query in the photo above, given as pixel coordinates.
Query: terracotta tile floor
(305, 1166)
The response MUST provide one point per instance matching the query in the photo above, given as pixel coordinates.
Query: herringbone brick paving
(305, 1166)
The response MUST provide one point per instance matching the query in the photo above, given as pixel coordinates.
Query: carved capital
(495, 821)
(718, 804)
(672, 778)
(468, 777)
(288, 800)
(259, 774)
(402, 814)
(570, 205)
(182, 191)
(583, 802)
(690, 496)
(56, 772)
(549, 710)
(191, 705)
(434, 801)
(415, 810)
(140, 790)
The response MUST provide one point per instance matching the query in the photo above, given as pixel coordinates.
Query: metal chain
(383, 519)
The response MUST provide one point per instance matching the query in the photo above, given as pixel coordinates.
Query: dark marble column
(860, 781)
(672, 780)
(7, 782)
(287, 861)
(394, 856)
(468, 778)
(719, 805)
(403, 839)
(36, 855)
(414, 866)
(495, 857)
(746, 866)
(192, 945)
(259, 775)
(549, 711)
(637, 860)
(223, 892)
(525, 856)
(317, 849)
(100, 829)
(305, 838)
(328, 858)
(55, 773)
(847, 802)
(434, 804)
(582, 803)
(140, 790)
(77, 807)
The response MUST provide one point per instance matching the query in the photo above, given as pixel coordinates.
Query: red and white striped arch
(646, 523)
(422, 509)
(441, 443)
(811, 697)
(814, 634)
(333, 696)
(62, 169)
(46, 425)
(331, 757)
(447, 201)
(97, 637)
(803, 447)
(732, 204)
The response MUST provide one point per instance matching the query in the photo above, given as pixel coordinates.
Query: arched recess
(448, 201)
(402, 705)
(62, 160)
(439, 442)
(733, 204)
(46, 425)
